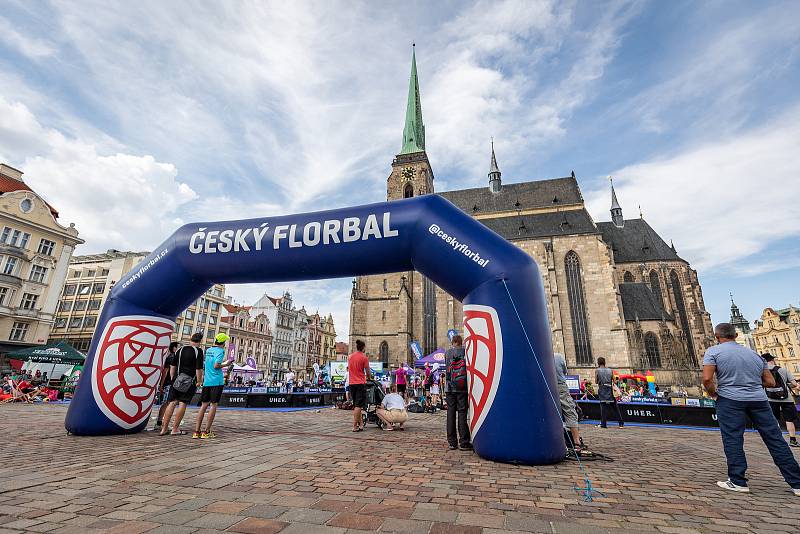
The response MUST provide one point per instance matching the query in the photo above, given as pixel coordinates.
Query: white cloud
(724, 203)
(116, 200)
(29, 46)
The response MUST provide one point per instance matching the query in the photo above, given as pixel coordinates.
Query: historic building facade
(89, 281)
(744, 332)
(328, 340)
(778, 332)
(614, 289)
(250, 335)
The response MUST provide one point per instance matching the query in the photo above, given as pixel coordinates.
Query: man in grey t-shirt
(742, 376)
(780, 397)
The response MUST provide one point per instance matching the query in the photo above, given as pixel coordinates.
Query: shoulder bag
(183, 381)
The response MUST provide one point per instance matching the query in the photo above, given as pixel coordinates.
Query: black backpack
(457, 373)
(780, 391)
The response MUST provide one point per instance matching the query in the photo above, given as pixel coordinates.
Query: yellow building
(35, 251)
(88, 284)
(328, 340)
(778, 332)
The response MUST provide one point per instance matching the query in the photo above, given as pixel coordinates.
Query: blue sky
(133, 118)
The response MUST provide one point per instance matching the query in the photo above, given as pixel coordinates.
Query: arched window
(681, 308)
(655, 287)
(384, 352)
(652, 351)
(577, 309)
(628, 277)
(408, 191)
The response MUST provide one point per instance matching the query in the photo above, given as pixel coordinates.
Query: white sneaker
(728, 485)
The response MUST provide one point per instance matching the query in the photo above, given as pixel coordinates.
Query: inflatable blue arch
(512, 415)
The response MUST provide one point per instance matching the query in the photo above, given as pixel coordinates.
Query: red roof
(233, 308)
(7, 185)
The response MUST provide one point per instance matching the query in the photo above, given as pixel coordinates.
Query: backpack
(457, 374)
(780, 391)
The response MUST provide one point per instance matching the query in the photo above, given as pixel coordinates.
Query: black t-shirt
(168, 362)
(190, 359)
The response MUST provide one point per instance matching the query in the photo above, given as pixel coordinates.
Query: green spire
(414, 131)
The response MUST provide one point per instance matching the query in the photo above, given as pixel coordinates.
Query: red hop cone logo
(127, 367)
(484, 352)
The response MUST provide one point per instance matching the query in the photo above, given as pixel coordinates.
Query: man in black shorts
(358, 372)
(213, 383)
(188, 361)
(780, 397)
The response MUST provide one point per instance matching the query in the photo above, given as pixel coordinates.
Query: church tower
(411, 174)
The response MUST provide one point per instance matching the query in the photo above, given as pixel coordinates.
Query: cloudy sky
(135, 117)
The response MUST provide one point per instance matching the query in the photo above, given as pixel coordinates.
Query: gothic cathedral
(615, 289)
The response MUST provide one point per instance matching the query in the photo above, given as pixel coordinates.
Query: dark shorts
(211, 394)
(358, 393)
(186, 398)
(787, 409)
(401, 388)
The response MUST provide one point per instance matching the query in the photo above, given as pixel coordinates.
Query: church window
(408, 191)
(383, 351)
(577, 308)
(383, 315)
(628, 277)
(652, 351)
(655, 287)
(385, 285)
(681, 307)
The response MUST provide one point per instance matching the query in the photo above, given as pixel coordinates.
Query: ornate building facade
(778, 332)
(614, 289)
(250, 334)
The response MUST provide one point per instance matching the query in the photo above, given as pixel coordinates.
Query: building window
(84, 289)
(628, 277)
(210, 334)
(189, 314)
(201, 317)
(69, 289)
(10, 266)
(186, 330)
(678, 296)
(214, 306)
(98, 288)
(6, 233)
(89, 321)
(38, 273)
(91, 273)
(212, 319)
(95, 304)
(385, 285)
(3, 295)
(655, 287)
(65, 305)
(61, 322)
(29, 301)
(384, 352)
(241, 323)
(80, 305)
(383, 315)
(408, 192)
(18, 331)
(791, 352)
(104, 272)
(24, 241)
(46, 247)
(76, 274)
(26, 205)
(577, 308)
(652, 351)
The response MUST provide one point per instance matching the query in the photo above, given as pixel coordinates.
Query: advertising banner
(416, 350)
(338, 371)
(574, 384)
(451, 333)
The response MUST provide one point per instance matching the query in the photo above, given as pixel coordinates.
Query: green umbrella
(61, 352)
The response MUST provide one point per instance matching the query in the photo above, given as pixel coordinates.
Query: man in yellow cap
(213, 382)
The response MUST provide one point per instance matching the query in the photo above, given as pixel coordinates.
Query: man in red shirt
(358, 371)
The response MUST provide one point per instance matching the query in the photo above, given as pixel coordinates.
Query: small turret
(616, 210)
(494, 174)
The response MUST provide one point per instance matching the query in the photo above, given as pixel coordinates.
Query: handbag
(183, 381)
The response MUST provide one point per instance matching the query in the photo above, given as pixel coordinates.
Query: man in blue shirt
(742, 376)
(213, 382)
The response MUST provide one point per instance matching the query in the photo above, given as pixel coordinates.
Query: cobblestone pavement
(305, 472)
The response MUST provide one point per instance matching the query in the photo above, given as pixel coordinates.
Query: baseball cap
(221, 338)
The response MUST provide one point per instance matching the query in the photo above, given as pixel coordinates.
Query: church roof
(638, 301)
(414, 130)
(514, 197)
(636, 242)
(568, 222)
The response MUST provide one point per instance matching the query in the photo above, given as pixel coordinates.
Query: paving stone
(410, 526)
(356, 521)
(306, 515)
(176, 517)
(308, 528)
(449, 528)
(257, 525)
(215, 520)
(264, 511)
